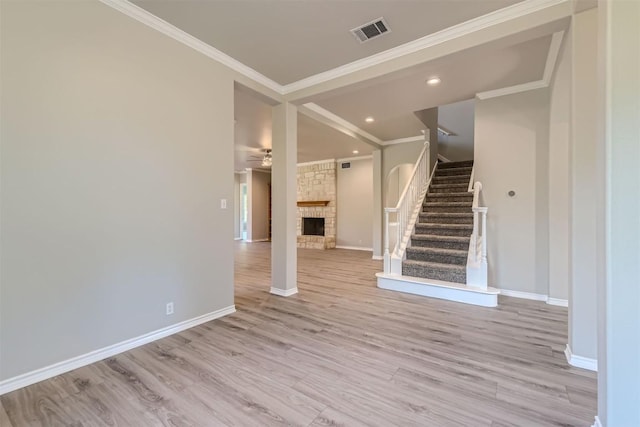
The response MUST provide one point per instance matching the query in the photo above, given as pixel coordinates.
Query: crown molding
(538, 84)
(499, 16)
(327, 117)
(549, 68)
(316, 162)
(403, 140)
(353, 159)
(149, 19)
(552, 56)
(257, 170)
(465, 28)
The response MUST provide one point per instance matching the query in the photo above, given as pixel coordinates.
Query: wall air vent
(370, 30)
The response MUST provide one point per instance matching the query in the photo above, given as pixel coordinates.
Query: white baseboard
(237, 238)
(439, 289)
(523, 295)
(557, 301)
(257, 240)
(596, 422)
(378, 257)
(59, 368)
(283, 292)
(355, 248)
(537, 297)
(579, 361)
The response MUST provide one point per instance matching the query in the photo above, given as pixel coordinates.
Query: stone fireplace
(316, 219)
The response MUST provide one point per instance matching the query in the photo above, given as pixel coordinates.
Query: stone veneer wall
(317, 181)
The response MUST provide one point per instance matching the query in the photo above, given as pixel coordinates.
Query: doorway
(243, 211)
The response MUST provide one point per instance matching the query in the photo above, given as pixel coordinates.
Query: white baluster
(484, 235)
(474, 236)
(387, 257)
(400, 227)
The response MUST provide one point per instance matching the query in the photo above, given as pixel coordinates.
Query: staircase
(440, 242)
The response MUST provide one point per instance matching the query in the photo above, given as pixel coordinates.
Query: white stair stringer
(487, 297)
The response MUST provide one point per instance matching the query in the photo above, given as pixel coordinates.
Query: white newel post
(477, 260)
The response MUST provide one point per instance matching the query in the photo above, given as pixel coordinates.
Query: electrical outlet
(169, 308)
(223, 203)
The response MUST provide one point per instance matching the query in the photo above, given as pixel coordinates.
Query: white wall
(355, 204)
(394, 155)
(618, 220)
(258, 195)
(458, 118)
(396, 181)
(116, 150)
(511, 152)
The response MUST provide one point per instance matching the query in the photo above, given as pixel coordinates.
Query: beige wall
(355, 204)
(560, 175)
(511, 153)
(258, 193)
(458, 118)
(116, 150)
(582, 301)
(430, 119)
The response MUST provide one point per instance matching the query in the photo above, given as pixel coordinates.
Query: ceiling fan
(266, 159)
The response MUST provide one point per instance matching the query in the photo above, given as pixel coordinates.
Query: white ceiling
(289, 40)
(316, 141)
(393, 99)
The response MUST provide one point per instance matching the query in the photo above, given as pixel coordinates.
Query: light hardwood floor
(341, 352)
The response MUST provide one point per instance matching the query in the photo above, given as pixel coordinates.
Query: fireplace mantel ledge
(308, 203)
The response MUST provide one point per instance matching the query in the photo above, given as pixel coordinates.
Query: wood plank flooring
(341, 352)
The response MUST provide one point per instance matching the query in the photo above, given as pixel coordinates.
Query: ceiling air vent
(370, 30)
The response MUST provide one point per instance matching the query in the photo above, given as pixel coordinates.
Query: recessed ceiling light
(369, 119)
(355, 151)
(433, 81)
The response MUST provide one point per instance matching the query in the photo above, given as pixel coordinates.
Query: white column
(618, 231)
(582, 346)
(284, 258)
(377, 205)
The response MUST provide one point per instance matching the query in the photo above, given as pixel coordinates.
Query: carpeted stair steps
(440, 243)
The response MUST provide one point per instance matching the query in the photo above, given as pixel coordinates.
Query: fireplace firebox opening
(313, 226)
